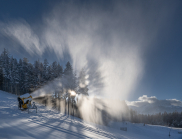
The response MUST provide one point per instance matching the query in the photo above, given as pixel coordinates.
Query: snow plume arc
(102, 111)
(48, 89)
(106, 39)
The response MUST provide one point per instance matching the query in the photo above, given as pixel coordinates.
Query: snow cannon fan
(25, 102)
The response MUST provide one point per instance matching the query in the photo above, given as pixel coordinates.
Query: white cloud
(143, 100)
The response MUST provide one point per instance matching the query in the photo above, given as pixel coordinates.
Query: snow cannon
(25, 102)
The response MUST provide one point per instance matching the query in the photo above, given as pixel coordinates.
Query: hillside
(46, 123)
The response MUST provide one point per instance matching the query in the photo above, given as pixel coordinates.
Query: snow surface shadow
(58, 128)
(80, 128)
(17, 124)
(55, 123)
(61, 120)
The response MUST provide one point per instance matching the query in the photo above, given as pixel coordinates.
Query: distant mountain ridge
(153, 109)
(152, 105)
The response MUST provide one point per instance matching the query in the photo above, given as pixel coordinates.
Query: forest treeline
(166, 119)
(21, 76)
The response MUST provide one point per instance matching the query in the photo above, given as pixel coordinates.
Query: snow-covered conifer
(83, 83)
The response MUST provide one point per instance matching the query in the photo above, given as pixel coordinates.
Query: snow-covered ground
(50, 124)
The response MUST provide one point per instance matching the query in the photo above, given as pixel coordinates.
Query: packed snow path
(50, 124)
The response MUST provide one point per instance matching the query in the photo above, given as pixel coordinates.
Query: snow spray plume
(104, 40)
(113, 36)
(94, 42)
(48, 89)
(102, 111)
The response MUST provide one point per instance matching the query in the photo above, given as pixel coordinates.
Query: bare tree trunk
(16, 89)
(11, 89)
(65, 107)
(59, 105)
(45, 100)
(68, 106)
(72, 109)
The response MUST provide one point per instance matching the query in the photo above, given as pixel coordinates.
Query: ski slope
(50, 124)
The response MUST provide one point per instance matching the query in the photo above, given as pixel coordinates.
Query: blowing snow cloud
(109, 39)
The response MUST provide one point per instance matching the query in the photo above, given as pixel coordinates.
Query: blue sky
(142, 37)
(163, 66)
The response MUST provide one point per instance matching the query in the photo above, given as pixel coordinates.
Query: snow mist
(106, 39)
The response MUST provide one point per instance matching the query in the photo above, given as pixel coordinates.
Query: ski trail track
(46, 123)
(50, 124)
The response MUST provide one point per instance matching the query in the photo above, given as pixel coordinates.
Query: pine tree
(1, 78)
(16, 76)
(36, 73)
(54, 69)
(45, 72)
(25, 86)
(49, 73)
(30, 78)
(83, 83)
(41, 70)
(68, 70)
(59, 71)
(11, 75)
(1, 74)
(69, 78)
(21, 76)
(5, 67)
